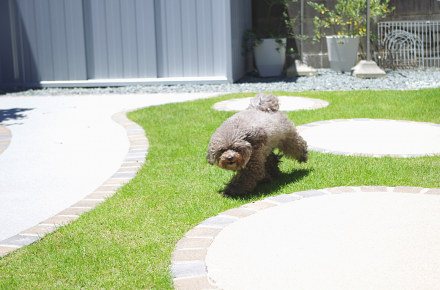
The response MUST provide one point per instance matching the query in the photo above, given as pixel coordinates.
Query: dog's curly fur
(245, 143)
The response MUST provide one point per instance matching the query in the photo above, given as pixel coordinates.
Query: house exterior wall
(35, 45)
(119, 39)
(121, 42)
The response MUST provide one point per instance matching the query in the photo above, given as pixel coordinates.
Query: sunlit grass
(126, 242)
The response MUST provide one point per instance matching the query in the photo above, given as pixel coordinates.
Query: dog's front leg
(247, 179)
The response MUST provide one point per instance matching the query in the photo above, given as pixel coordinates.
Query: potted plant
(349, 17)
(268, 40)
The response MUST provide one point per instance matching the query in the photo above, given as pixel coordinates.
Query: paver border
(318, 104)
(303, 127)
(188, 265)
(5, 138)
(132, 162)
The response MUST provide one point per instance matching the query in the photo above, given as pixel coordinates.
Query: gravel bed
(326, 80)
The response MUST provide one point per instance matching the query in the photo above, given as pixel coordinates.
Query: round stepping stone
(286, 104)
(367, 237)
(373, 137)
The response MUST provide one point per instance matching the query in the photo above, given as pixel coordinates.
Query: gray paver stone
(373, 188)
(193, 243)
(259, 205)
(132, 165)
(6, 250)
(342, 189)
(19, 240)
(128, 170)
(283, 198)
(124, 175)
(39, 230)
(310, 193)
(219, 221)
(433, 191)
(139, 142)
(88, 203)
(108, 188)
(137, 151)
(100, 195)
(188, 269)
(74, 211)
(238, 212)
(203, 232)
(193, 283)
(60, 220)
(134, 130)
(116, 181)
(5, 137)
(189, 255)
(408, 189)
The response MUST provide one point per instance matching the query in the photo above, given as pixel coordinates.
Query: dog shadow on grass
(268, 188)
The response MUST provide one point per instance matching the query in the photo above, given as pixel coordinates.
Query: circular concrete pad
(372, 137)
(354, 240)
(286, 104)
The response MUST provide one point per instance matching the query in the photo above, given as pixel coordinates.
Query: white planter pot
(342, 56)
(268, 60)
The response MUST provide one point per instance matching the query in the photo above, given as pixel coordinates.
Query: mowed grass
(127, 241)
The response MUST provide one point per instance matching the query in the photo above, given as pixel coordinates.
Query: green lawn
(126, 242)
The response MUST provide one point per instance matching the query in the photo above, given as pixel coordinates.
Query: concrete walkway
(62, 149)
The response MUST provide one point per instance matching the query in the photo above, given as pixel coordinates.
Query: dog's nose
(230, 158)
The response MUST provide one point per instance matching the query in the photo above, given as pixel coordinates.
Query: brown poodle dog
(245, 143)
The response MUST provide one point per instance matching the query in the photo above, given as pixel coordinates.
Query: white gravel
(326, 80)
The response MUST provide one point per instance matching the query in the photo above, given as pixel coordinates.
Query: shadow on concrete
(12, 114)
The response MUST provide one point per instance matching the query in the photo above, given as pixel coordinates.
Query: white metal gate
(409, 44)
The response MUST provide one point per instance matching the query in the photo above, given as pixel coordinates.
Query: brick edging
(188, 265)
(317, 104)
(304, 127)
(5, 138)
(133, 161)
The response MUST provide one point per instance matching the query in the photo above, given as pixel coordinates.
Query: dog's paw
(232, 191)
(224, 194)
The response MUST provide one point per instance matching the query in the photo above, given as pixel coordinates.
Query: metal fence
(408, 44)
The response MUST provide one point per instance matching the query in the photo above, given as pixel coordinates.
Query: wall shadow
(12, 114)
(18, 67)
(253, 77)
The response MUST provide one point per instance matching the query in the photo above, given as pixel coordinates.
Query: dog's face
(231, 158)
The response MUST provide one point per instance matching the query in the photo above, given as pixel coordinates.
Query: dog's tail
(265, 103)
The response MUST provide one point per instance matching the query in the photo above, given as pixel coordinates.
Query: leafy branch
(349, 15)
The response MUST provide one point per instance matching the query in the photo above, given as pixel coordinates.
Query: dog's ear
(210, 157)
(257, 137)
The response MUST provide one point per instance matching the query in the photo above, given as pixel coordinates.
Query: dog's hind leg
(271, 166)
(294, 146)
(247, 179)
